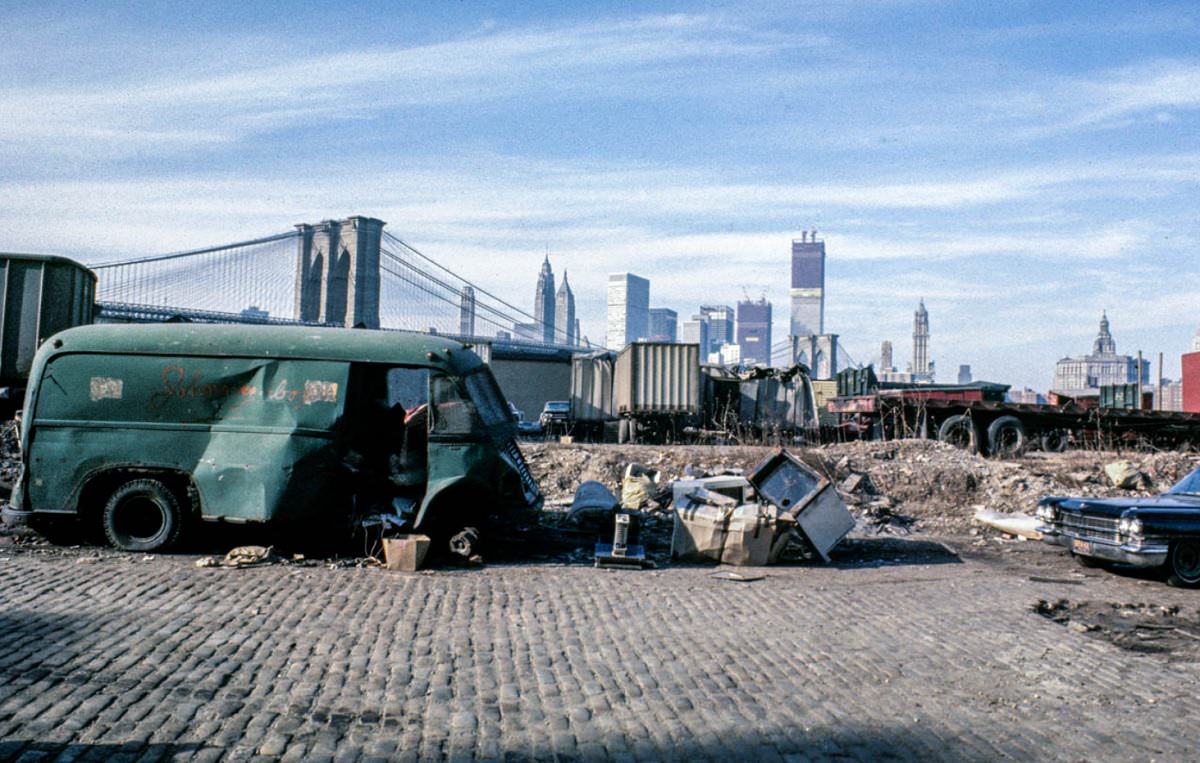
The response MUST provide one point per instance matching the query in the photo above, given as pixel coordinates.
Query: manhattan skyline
(1022, 167)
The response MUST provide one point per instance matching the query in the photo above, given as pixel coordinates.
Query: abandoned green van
(137, 430)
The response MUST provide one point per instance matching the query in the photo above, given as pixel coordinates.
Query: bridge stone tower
(337, 272)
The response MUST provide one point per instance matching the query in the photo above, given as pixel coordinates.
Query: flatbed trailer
(963, 418)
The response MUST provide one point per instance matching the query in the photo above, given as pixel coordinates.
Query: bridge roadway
(892, 655)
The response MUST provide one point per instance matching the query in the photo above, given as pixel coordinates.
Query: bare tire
(1006, 437)
(1183, 564)
(1054, 441)
(142, 515)
(961, 432)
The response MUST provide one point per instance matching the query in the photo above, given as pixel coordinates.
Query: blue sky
(1021, 166)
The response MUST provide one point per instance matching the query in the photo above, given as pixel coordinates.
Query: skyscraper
(564, 314)
(964, 374)
(922, 366)
(466, 311)
(885, 356)
(754, 331)
(628, 309)
(695, 331)
(663, 325)
(808, 285)
(720, 326)
(543, 302)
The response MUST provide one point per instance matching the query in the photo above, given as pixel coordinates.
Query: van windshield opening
(472, 405)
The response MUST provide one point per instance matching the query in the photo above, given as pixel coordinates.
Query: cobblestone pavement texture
(127, 658)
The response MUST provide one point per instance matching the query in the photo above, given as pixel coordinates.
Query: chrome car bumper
(1122, 553)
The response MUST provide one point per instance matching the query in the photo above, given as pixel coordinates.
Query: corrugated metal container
(1122, 396)
(40, 295)
(1191, 382)
(823, 392)
(857, 381)
(658, 377)
(592, 387)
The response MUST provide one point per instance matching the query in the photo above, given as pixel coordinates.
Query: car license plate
(1081, 546)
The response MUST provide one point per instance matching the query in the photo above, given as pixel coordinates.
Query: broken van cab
(140, 429)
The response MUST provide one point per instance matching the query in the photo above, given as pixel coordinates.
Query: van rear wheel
(142, 515)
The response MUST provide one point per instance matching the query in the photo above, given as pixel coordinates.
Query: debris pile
(890, 487)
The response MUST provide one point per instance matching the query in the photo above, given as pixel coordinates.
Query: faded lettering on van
(177, 384)
(320, 392)
(106, 388)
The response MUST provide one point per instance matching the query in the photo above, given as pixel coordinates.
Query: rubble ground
(897, 486)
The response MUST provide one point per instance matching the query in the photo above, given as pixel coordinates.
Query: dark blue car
(1142, 532)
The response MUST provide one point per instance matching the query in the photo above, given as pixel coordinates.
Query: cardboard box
(406, 552)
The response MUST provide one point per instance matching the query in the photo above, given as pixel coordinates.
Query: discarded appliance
(700, 531)
(736, 487)
(750, 535)
(406, 552)
(803, 496)
(621, 554)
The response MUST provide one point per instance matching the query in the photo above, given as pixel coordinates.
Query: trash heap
(782, 511)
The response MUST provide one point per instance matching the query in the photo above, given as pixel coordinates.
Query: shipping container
(852, 382)
(40, 295)
(823, 392)
(1191, 381)
(592, 387)
(1124, 397)
(657, 378)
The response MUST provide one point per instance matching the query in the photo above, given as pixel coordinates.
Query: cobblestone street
(123, 657)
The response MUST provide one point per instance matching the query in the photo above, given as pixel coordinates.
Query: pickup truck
(1154, 531)
(556, 417)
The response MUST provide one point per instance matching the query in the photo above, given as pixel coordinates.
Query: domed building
(1087, 373)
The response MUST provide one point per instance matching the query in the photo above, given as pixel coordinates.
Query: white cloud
(162, 112)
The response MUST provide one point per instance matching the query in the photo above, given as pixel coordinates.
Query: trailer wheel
(1006, 437)
(1183, 564)
(1054, 441)
(142, 515)
(961, 432)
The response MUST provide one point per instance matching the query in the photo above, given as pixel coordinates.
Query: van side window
(408, 387)
(452, 412)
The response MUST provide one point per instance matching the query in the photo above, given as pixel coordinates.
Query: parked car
(1156, 531)
(556, 417)
(138, 431)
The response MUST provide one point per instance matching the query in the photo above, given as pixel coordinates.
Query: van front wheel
(142, 515)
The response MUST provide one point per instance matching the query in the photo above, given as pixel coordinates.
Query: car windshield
(558, 407)
(1189, 485)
